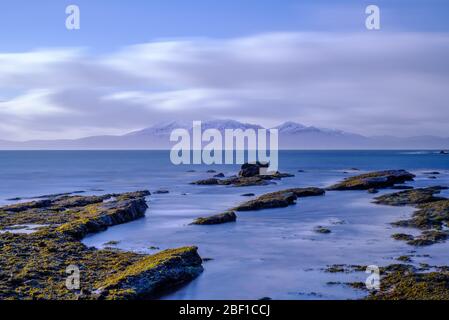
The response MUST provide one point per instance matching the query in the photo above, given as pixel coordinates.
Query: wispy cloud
(369, 83)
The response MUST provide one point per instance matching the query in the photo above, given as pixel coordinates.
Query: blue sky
(109, 24)
(136, 63)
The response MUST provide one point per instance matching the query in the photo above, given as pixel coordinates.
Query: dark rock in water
(279, 199)
(372, 190)
(161, 191)
(248, 195)
(354, 169)
(239, 181)
(301, 171)
(252, 169)
(401, 187)
(410, 197)
(220, 175)
(432, 177)
(211, 171)
(145, 279)
(402, 236)
(379, 179)
(217, 219)
(444, 152)
(190, 171)
(432, 172)
(265, 299)
(321, 229)
(208, 182)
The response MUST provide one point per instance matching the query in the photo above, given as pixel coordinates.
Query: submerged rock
(378, 179)
(321, 229)
(219, 175)
(217, 219)
(279, 199)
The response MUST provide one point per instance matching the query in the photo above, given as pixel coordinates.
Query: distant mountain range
(292, 135)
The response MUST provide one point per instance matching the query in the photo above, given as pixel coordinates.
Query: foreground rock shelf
(34, 263)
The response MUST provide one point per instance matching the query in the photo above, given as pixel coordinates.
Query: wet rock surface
(216, 219)
(373, 180)
(34, 265)
(432, 216)
(279, 199)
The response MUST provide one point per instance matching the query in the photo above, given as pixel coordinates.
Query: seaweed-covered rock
(217, 219)
(153, 274)
(33, 266)
(279, 199)
(321, 229)
(410, 197)
(378, 179)
(252, 169)
(403, 282)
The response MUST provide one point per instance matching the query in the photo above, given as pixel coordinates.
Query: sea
(272, 253)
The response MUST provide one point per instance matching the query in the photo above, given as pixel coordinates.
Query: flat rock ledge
(431, 217)
(279, 199)
(34, 264)
(216, 219)
(376, 180)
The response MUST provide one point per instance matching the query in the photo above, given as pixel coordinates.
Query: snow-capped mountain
(292, 135)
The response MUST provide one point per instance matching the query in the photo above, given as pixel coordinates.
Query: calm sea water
(272, 253)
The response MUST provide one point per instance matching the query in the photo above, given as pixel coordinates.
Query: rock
(248, 195)
(372, 190)
(47, 252)
(402, 236)
(410, 197)
(220, 175)
(432, 214)
(279, 199)
(432, 177)
(379, 179)
(252, 169)
(217, 219)
(321, 229)
(146, 278)
(444, 152)
(161, 191)
(404, 282)
(248, 176)
(301, 171)
(432, 172)
(211, 171)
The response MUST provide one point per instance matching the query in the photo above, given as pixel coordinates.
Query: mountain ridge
(292, 135)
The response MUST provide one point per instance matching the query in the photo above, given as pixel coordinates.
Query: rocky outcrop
(376, 180)
(217, 219)
(278, 199)
(410, 197)
(249, 175)
(150, 276)
(431, 217)
(33, 265)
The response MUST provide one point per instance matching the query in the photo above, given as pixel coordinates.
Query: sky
(138, 63)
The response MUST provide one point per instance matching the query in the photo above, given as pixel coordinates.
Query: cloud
(371, 83)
